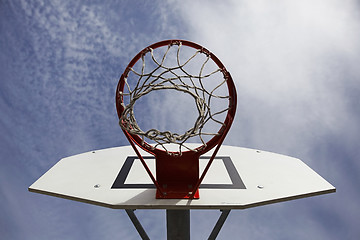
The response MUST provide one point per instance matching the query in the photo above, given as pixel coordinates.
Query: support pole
(137, 224)
(178, 224)
(219, 224)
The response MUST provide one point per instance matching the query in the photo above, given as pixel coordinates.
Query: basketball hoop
(191, 69)
(240, 178)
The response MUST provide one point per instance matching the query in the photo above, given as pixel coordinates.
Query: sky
(295, 67)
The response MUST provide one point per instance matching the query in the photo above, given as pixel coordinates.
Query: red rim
(231, 88)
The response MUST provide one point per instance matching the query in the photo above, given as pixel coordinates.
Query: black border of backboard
(235, 178)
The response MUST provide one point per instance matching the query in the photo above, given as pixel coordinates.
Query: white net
(186, 70)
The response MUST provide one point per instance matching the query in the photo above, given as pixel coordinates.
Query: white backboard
(238, 178)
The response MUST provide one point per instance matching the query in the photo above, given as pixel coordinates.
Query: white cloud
(288, 60)
(294, 64)
(60, 66)
(295, 67)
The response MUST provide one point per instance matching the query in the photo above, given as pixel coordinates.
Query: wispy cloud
(295, 69)
(60, 64)
(289, 61)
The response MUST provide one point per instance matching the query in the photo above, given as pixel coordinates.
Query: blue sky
(295, 66)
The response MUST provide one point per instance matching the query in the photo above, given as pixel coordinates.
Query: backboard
(239, 178)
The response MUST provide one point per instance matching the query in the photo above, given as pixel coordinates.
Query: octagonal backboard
(239, 178)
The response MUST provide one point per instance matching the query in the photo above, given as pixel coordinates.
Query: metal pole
(137, 224)
(178, 224)
(219, 224)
